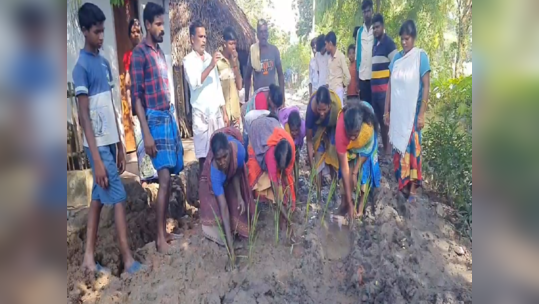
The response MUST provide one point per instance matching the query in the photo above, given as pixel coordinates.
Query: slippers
(102, 269)
(412, 199)
(136, 267)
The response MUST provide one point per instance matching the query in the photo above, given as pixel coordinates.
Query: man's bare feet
(166, 248)
(88, 264)
(162, 246)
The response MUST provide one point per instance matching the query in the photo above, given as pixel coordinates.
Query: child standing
(352, 90)
(92, 77)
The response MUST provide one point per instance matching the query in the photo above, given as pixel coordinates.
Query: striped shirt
(149, 77)
(383, 52)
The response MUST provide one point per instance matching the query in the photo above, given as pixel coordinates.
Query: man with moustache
(207, 99)
(150, 89)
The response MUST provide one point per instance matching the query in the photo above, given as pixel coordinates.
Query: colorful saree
(209, 206)
(366, 145)
(283, 114)
(266, 133)
(324, 131)
(407, 71)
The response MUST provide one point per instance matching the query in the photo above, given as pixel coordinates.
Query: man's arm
(346, 72)
(80, 79)
(221, 98)
(195, 79)
(237, 74)
(248, 78)
(280, 74)
(345, 170)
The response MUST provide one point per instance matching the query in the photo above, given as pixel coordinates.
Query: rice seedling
(252, 223)
(231, 256)
(309, 196)
(277, 195)
(330, 196)
(358, 191)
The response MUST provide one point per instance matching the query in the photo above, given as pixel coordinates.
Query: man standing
(364, 44)
(207, 100)
(322, 62)
(264, 63)
(230, 76)
(313, 70)
(339, 74)
(151, 95)
(383, 52)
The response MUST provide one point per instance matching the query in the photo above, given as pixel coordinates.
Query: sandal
(412, 198)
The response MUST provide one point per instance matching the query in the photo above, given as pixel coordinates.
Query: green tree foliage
(431, 18)
(447, 145)
(305, 14)
(254, 9)
(297, 57)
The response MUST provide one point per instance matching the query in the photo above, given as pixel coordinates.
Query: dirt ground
(397, 254)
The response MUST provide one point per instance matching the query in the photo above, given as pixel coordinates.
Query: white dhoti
(203, 128)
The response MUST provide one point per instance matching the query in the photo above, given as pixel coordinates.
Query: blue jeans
(115, 193)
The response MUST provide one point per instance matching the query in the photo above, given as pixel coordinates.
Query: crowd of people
(248, 150)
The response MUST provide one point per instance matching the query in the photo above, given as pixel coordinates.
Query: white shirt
(322, 64)
(313, 73)
(367, 43)
(206, 97)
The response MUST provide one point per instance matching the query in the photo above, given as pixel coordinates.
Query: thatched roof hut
(216, 15)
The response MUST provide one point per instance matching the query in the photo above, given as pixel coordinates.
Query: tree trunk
(464, 8)
(378, 6)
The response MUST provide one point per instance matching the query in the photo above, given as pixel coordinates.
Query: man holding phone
(207, 100)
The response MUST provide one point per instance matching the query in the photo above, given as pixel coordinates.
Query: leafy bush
(448, 145)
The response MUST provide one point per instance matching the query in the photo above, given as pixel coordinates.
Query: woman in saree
(406, 104)
(320, 123)
(356, 140)
(133, 132)
(226, 201)
(271, 162)
(295, 126)
(266, 100)
(291, 120)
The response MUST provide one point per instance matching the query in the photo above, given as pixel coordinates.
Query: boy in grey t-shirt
(270, 63)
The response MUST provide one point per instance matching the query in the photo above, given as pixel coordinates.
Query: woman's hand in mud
(241, 205)
(354, 180)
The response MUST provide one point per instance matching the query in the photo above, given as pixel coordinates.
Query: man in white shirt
(207, 100)
(322, 62)
(364, 45)
(313, 71)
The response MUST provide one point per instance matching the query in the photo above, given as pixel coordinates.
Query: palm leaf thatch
(216, 15)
